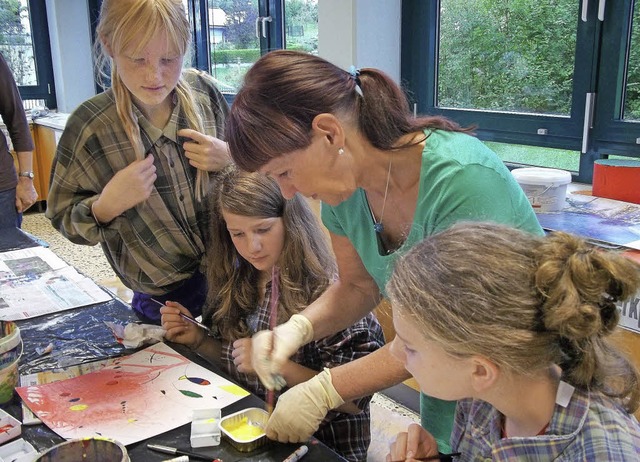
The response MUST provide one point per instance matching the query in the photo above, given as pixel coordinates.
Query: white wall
(69, 33)
(363, 33)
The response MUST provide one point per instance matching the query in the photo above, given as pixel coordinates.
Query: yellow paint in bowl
(244, 431)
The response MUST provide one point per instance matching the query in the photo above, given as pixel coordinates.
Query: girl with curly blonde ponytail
(518, 328)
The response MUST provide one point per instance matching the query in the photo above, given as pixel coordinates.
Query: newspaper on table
(35, 282)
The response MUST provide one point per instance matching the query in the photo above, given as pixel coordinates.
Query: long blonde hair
(120, 23)
(307, 266)
(525, 302)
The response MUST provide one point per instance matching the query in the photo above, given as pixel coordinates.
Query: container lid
(538, 175)
(619, 163)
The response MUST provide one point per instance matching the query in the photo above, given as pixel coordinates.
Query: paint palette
(205, 427)
(17, 451)
(245, 429)
(10, 427)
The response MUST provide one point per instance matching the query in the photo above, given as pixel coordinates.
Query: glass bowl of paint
(86, 450)
(245, 429)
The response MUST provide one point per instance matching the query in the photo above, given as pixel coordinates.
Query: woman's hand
(415, 442)
(177, 329)
(205, 152)
(242, 356)
(272, 349)
(26, 194)
(301, 409)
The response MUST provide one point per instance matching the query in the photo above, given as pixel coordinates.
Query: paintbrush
(443, 457)
(273, 320)
(187, 318)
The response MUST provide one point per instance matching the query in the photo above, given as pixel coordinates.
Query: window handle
(263, 20)
(260, 24)
(585, 7)
(588, 120)
(601, 5)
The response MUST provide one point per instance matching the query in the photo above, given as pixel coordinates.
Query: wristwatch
(26, 174)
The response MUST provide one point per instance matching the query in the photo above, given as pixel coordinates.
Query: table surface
(80, 335)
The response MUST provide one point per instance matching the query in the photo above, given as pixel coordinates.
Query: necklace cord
(377, 224)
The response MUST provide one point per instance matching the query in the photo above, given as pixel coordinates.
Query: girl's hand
(242, 356)
(415, 442)
(177, 329)
(205, 152)
(129, 187)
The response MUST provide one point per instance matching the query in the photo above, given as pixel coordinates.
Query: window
(554, 83)
(24, 42)
(230, 35)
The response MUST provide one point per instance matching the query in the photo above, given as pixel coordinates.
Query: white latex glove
(271, 350)
(301, 409)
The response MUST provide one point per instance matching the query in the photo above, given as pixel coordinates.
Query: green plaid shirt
(159, 243)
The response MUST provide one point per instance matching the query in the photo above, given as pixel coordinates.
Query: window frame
(45, 90)
(592, 74)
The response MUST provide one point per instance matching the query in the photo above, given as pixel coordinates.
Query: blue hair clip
(355, 73)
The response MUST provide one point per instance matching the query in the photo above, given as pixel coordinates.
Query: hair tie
(355, 74)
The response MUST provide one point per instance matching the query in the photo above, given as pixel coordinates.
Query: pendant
(378, 227)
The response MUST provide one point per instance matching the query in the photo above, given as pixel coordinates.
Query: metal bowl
(254, 417)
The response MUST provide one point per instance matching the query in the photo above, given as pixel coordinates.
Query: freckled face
(438, 373)
(258, 240)
(313, 172)
(150, 74)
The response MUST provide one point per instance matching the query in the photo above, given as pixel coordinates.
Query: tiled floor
(388, 416)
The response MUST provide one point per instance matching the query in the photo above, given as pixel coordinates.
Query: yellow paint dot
(235, 390)
(79, 407)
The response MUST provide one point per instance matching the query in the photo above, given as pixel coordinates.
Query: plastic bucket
(617, 179)
(9, 380)
(10, 356)
(10, 336)
(546, 188)
(86, 450)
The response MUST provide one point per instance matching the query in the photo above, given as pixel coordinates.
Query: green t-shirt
(460, 180)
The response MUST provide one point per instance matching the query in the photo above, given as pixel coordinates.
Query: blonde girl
(134, 162)
(517, 328)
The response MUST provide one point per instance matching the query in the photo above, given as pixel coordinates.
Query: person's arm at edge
(26, 194)
(349, 299)
(372, 373)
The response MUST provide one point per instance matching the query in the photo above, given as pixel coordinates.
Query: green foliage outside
(231, 58)
(537, 156)
(15, 42)
(632, 99)
(511, 55)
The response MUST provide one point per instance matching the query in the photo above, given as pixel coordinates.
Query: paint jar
(86, 450)
(10, 336)
(8, 381)
(10, 353)
(546, 188)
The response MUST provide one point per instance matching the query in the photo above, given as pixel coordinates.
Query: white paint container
(546, 188)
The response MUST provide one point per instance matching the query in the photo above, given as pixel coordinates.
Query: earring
(341, 151)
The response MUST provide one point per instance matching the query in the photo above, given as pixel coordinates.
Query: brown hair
(119, 24)
(306, 263)
(523, 301)
(285, 90)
